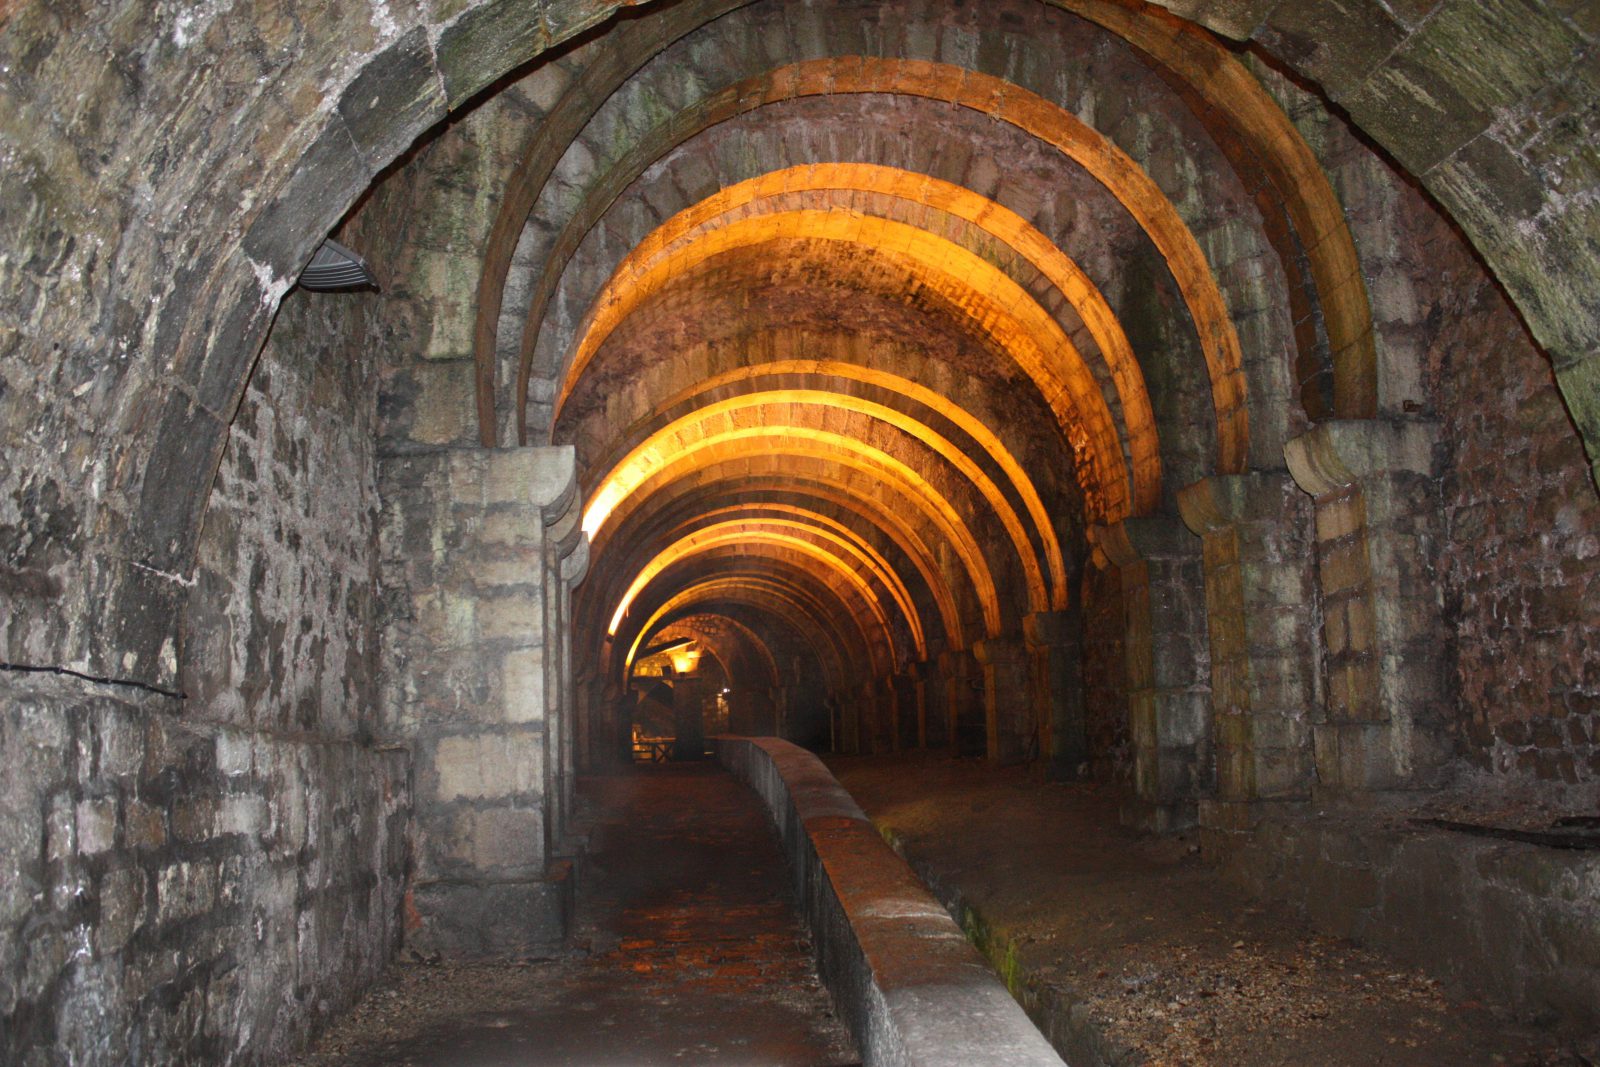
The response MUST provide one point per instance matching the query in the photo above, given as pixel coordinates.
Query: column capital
(1139, 540)
(1219, 501)
(1336, 455)
(1050, 629)
(994, 650)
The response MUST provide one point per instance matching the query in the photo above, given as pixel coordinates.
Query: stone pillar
(1056, 683)
(932, 721)
(1168, 668)
(688, 718)
(850, 732)
(1261, 617)
(778, 696)
(484, 543)
(880, 700)
(1010, 730)
(750, 712)
(963, 703)
(1375, 490)
(907, 711)
(567, 560)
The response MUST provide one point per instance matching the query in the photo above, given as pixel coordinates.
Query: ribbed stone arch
(645, 457)
(866, 644)
(901, 491)
(683, 444)
(874, 506)
(782, 600)
(1044, 121)
(1068, 377)
(862, 567)
(717, 632)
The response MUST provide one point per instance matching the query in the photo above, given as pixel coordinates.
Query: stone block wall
(180, 891)
(1515, 922)
(207, 877)
(479, 548)
(1262, 617)
(1105, 675)
(1521, 569)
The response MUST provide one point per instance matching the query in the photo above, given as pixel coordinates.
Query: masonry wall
(1105, 696)
(1522, 567)
(207, 877)
(1519, 563)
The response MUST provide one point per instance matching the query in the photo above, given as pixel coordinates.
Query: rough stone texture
(1522, 559)
(223, 871)
(912, 988)
(1517, 922)
(475, 545)
(1167, 662)
(181, 891)
(1261, 613)
(1105, 673)
(1519, 525)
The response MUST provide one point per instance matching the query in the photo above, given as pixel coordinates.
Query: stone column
(1261, 617)
(848, 731)
(778, 696)
(1168, 669)
(907, 711)
(750, 712)
(1010, 729)
(1056, 683)
(1375, 489)
(567, 560)
(479, 549)
(688, 718)
(933, 721)
(880, 699)
(963, 702)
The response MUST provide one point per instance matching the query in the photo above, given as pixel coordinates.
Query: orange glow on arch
(996, 303)
(871, 509)
(993, 218)
(844, 453)
(804, 613)
(741, 535)
(839, 536)
(861, 456)
(1039, 118)
(647, 457)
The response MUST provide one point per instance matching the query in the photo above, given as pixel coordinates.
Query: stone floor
(1145, 954)
(688, 951)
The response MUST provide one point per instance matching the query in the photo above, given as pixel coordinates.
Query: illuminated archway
(648, 457)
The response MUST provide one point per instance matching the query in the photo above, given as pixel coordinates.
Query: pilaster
(1375, 488)
(1056, 689)
(1262, 620)
(1011, 730)
(480, 548)
(1168, 668)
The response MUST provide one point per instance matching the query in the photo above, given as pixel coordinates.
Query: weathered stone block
(96, 825)
(494, 920)
(490, 765)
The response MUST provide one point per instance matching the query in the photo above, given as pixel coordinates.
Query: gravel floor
(1171, 965)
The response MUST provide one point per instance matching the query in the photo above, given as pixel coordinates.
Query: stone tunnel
(1190, 407)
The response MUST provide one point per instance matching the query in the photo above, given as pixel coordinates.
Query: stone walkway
(1138, 953)
(688, 952)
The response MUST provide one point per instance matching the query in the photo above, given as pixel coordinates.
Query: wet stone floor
(687, 951)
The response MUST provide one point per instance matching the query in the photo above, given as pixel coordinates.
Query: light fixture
(334, 267)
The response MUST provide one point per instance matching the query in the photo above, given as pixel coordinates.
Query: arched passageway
(1199, 403)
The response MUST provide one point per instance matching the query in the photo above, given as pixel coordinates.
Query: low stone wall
(1516, 923)
(906, 979)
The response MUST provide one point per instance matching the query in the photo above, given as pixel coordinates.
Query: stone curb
(905, 978)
